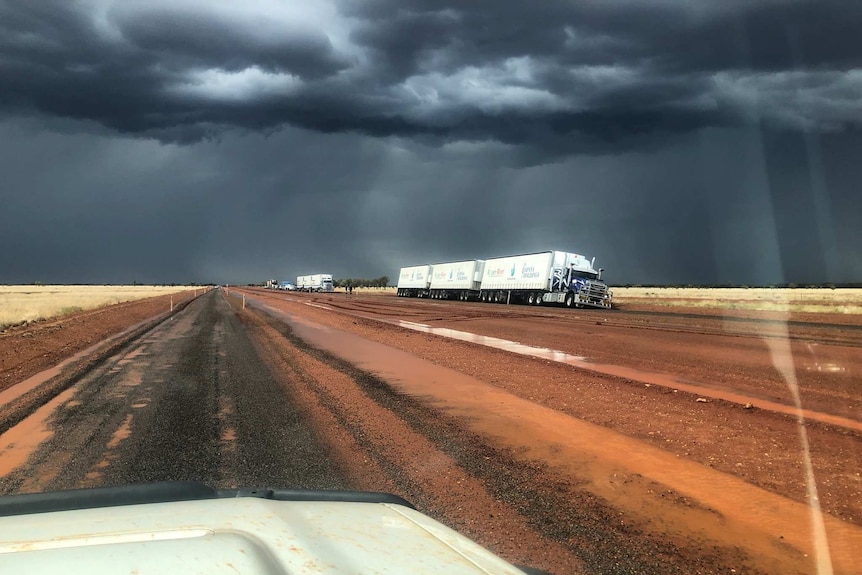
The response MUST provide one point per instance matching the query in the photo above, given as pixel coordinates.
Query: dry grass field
(23, 303)
(370, 290)
(799, 300)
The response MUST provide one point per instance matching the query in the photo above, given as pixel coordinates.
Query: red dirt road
(569, 467)
(756, 449)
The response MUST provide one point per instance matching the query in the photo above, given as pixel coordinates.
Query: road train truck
(314, 283)
(414, 281)
(551, 277)
(545, 277)
(457, 280)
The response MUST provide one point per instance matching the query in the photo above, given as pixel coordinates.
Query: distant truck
(414, 281)
(457, 280)
(271, 284)
(314, 283)
(551, 277)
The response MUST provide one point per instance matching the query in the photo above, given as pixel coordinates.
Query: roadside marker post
(172, 302)
(243, 301)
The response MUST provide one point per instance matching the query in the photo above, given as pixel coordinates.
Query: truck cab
(583, 285)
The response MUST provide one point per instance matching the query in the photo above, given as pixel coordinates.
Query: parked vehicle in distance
(414, 281)
(314, 283)
(271, 284)
(286, 286)
(550, 277)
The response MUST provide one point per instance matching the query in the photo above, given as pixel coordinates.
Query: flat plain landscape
(787, 300)
(26, 303)
(671, 435)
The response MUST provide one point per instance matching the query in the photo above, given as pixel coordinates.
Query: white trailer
(414, 281)
(457, 280)
(544, 277)
(314, 283)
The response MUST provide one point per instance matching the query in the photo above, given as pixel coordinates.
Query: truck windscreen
(583, 275)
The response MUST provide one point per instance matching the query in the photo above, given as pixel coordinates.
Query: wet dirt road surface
(546, 464)
(188, 400)
(710, 428)
(217, 395)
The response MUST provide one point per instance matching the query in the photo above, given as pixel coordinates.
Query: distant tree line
(380, 282)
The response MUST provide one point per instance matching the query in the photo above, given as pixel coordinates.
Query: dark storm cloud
(684, 142)
(570, 76)
(183, 38)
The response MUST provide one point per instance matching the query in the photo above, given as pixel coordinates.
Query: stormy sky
(191, 140)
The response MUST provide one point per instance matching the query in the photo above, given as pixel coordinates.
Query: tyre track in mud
(584, 525)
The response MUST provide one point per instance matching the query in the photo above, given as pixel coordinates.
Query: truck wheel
(538, 299)
(531, 299)
(570, 300)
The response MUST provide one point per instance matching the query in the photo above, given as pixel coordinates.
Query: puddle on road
(138, 351)
(729, 512)
(122, 432)
(226, 417)
(497, 343)
(19, 389)
(650, 378)
(20, 442)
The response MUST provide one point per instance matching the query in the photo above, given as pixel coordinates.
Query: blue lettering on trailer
(529, 272)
